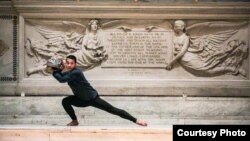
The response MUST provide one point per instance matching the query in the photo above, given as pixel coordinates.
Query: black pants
(67, 103)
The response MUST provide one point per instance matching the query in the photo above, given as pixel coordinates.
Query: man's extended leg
(102, 104)
(67, 103)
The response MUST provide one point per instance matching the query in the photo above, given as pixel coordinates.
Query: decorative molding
(138, 10)
(6, 17)
(14, 42)
(6, 7)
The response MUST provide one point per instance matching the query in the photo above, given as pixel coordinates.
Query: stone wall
(137, 53)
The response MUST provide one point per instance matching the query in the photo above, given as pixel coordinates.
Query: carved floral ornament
(203, 49)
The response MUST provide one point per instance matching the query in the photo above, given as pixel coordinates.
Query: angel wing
(53, 37)
(208, 37)
(205, 28)
(64, 26)
(70, 40)
(211, 43)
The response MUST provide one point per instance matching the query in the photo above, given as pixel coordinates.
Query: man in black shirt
(84, 94)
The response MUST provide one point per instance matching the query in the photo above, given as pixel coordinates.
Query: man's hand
(62, 67)
(49, 69)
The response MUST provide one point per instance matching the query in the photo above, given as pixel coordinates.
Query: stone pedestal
(130, 60)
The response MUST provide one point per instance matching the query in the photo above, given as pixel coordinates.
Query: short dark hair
(71, 57)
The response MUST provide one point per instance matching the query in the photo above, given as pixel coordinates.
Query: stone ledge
(136, 88)
(156, 110)
(232, 10)
(63, 133)
(118, 122)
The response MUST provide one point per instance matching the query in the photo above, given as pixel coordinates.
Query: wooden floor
(83, 133)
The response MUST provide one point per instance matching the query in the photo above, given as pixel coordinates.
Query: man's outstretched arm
(62, 77)
(59, 76)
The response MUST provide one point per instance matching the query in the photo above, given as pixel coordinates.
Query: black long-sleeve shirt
(77, 82)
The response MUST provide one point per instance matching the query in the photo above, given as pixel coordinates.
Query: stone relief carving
(212, 54)
(203, 49)
(89, 47)
(92, 53)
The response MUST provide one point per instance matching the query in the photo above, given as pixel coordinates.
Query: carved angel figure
(92, 51)
(88, 47)
(208, 55)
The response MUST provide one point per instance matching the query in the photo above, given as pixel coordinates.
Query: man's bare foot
(141, 122)
(73, 123)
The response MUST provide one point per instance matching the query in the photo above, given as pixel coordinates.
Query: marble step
(84, 133)
(104, 120)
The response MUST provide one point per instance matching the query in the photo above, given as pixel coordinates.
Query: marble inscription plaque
(138, 48)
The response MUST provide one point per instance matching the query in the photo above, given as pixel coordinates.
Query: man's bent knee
(65, 101)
